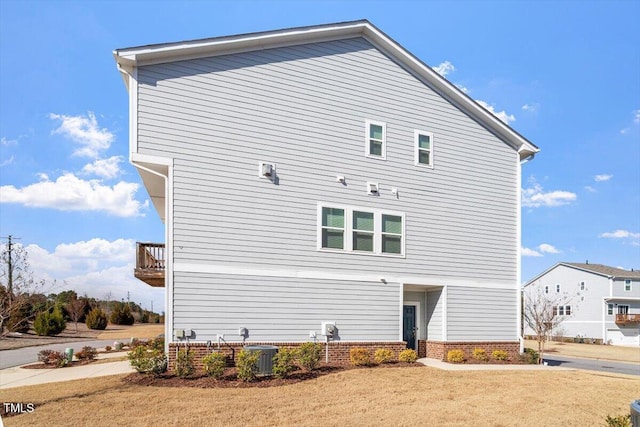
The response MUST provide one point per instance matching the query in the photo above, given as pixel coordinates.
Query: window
(562, 310)
(567, 310)
(627, 285)
(376, 140)
(623, 309)
(360, 230)
(555, 311)
(610, 309)
(424, 148)
(582, 286)
(546, 289)
(333, 228)
(558, 288)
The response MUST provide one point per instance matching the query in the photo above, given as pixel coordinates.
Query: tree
(541, 314)
(75, 308)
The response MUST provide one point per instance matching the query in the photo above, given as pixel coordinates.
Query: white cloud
(547, 248)
(636, 116)
(603, 177)
(502, 115)
(444, 68)
(70, 193)
(624, 236)
(104, 168)
(535, 196)
(531, 108)
(590, 189)
(7, 142)
(529, 252)
(85, 131)
(462, 88)
(7, 162)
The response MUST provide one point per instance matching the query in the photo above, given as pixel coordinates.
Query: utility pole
(10, 265)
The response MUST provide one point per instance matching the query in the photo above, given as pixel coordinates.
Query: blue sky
(566, 75)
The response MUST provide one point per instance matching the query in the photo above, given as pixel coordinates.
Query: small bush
(500, 355)
(284, 363)
(184, 363)
(408, 356)
(246, 365)
(383, 355)
(619, 421)
(359, 356)
(530, 356)
(455, 356)
(480, 354)
(56, 359)
(148, 360)
(107, 348)
(121, 315)
(88, 353)
(96, 319)
(49, 324)
(309, 355)
(214, 364)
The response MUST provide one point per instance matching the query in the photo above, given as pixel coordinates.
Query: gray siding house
(324, 175)
(603, 302)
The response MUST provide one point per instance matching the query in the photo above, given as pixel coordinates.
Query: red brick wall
(338, 350)
(422, 348)
(439, 349)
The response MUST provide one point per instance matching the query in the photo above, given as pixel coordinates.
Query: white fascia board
(626, 299)
(531, 281)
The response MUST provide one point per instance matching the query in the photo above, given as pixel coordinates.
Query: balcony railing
(150, 263)
(627, 318)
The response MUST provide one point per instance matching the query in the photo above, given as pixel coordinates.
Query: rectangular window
(610, 309)
(582, 286)
(424, 148)
(555, 311)
(360, 230)
(333, 228)
(561, 310)
(376, 140)
(558, 288)
(627, 285)
(623, 309)
(546, 289)
(567, 310)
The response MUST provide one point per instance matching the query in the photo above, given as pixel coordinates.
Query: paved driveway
(594, 364)
(22, 356)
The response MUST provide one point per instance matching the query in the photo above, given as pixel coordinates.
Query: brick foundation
(439, 349)
(422, 348)
(338, 350)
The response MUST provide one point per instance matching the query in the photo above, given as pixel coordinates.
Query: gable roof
(599, 269)
(130, 58)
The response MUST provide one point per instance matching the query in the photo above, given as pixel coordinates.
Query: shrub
(157, 343)
(121, 315)
(480, 354)
(214, 364)
(107, 348)
(383, 355)
(530, 356)
(184, 363)
(246, 365)
(408, 356)
(53, 358)
(309, 355)
(619, 421)
(96, 319)
(148, 360)
(455, 356)
(49, 324)
(284, 363)
(359, 356)
(500, 355)
(87, 352)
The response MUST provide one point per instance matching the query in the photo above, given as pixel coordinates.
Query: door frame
(415, 304)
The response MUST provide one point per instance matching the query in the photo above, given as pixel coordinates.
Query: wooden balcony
(150, 263)
(623, 319)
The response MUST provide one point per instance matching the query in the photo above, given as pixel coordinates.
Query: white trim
(133, 112)
(445, 292)
(520, 328)
(367, 140)
(146, 158)
(415, 304)
(401, 312)
(416, 148)
(169, 320)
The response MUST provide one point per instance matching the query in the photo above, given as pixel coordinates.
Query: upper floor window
(609, 309)
(582, 286)
(361, 230)
(558, 288)
(627, 285)
(376, 140)
(546, 289)
(424, 148)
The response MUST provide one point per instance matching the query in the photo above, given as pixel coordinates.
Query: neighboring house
(324, 174)
(603, 303)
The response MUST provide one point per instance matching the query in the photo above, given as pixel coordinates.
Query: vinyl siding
(284, 309)
(434, 315)
(304, 108)
(476, 314)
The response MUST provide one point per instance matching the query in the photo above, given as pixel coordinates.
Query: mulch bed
(229, 380)
(41, 365)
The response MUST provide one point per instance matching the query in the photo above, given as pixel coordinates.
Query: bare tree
(543, 313)
(75, 308)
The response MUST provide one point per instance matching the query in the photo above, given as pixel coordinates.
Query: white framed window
(582, 286)
(558, 288)
(562, 310)
(360, 230)
(546, 289)
(423, 148)
(610, 309)
(627, 285)
(376, 140)
(623, 309)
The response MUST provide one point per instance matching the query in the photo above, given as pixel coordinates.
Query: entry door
(409, 325)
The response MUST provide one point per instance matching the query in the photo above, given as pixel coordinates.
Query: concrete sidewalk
(435, 363)
(18, 377)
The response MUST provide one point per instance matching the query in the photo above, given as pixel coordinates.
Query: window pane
(333, 239)
(423, 157)
(362, 242)
(375, 131)
(568, 310)
(363, 221)
(391, 244)
(424, 141)
(375, 148)
(391, 224)
(332, 217)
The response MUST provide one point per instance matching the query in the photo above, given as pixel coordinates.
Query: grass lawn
(388, 396)
(593, 351)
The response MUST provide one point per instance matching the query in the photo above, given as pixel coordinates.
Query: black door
(409, 325)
